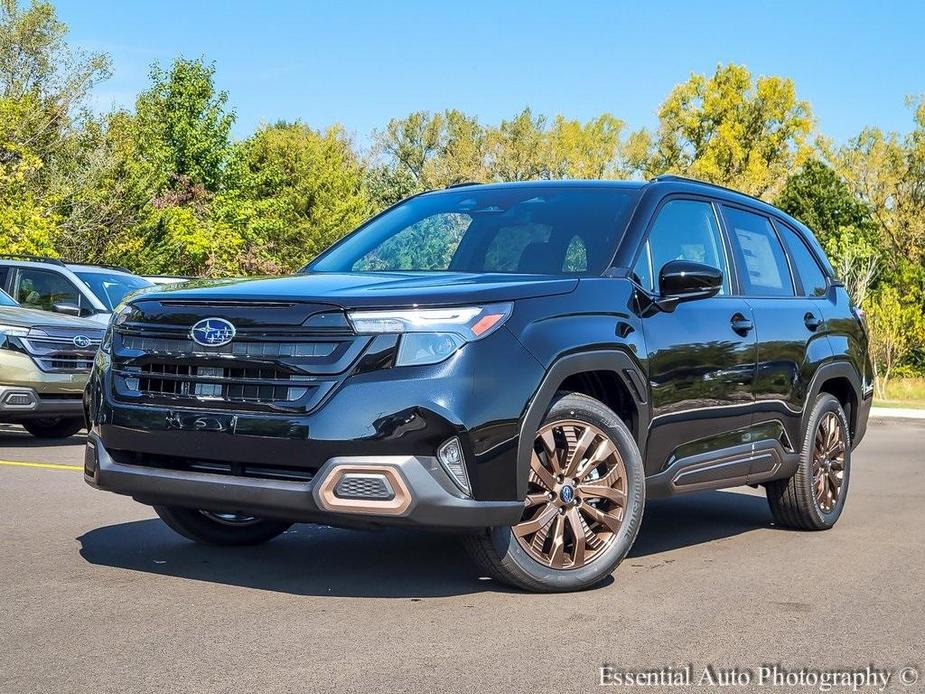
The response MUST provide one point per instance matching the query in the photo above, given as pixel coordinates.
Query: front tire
(222, 529)
(814, 497)
(53, 427)
(584, 503)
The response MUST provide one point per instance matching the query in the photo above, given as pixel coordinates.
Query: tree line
(163, 187)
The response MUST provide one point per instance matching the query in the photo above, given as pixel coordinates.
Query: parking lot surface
(97, 595)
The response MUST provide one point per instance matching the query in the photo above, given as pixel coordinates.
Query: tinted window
(642, 271)
(4, 274)
(763, 265)
(687, 230)
(811, 276)
(5, 299)
(112, 288)
(517, 248)
(42, 289)
(576, 256)
(519, 229)
(426, 245)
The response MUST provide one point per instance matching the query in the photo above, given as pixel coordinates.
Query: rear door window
(762, 264)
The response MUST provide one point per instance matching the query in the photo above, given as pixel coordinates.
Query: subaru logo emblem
(567, 493)
(81, 341)
(212, 332)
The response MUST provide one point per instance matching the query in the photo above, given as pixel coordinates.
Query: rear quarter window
(804, 262)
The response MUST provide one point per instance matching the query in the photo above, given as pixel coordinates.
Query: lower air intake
(358, 486)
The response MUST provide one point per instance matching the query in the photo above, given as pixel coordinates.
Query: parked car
(47, 284)
(44, 363)
(528, 362)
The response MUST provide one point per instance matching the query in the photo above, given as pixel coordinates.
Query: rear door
(701, 356)
(789, 323)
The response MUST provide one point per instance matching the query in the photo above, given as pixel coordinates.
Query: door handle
(811, 321)
(741, 325)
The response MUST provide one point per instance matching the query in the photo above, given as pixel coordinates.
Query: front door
(701, 356)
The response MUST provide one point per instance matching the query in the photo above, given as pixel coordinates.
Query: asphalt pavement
(97, 595)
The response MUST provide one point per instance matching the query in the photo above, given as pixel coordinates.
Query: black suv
(526, 362)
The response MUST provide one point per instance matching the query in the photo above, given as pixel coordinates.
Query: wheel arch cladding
(841, 380)
(611, 376)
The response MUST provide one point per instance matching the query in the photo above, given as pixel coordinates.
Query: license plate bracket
(197, 421)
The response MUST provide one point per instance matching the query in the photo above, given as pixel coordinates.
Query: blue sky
(360, 63)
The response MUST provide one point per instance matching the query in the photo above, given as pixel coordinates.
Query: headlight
(13, 330)
(430, 335)
(120, 314)
(7, 331)
(118, 317)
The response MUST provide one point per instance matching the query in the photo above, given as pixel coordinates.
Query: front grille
(60, 354)
(236, 384)
(213, 467)
(268, 366)
(264, 350)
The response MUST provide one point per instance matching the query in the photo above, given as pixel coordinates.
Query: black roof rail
(688, 179)
(462, 184)
(31, 258)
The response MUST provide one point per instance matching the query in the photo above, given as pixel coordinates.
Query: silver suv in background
(44, 363)
(74, 289)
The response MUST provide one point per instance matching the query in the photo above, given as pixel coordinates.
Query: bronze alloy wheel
(576, 495)
(828, 461)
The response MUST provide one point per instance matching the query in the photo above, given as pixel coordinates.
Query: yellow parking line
(49, 466)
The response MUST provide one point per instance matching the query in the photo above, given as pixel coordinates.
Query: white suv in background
(47, 284)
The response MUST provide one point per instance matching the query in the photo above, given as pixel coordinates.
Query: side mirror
(683, 280)
(67, 308)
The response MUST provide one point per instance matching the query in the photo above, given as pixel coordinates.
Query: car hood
(31, 318)
(349, 290)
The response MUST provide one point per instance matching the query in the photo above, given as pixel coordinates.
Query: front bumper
(424, 495)
(27, 392)
(19, 403)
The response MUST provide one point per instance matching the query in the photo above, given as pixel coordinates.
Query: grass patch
(903, 404)
(904, 392)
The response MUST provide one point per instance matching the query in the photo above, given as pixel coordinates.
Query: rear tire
(813, 499)
(222, 529)
(586, 473)
(53, 427)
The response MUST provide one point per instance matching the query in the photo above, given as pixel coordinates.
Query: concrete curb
(896, 413)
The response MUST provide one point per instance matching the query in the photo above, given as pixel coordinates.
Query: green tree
(517, 148)
(156, 172)
(293, 191)
(821, 199)
(183, 126)
(26, 225)
(44, 83)
(585, 150)
(897, 328)
(887, 172)
(423, 151)
(730, 129)
(45, 76)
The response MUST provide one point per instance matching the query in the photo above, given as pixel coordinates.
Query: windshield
(6, 299)
(111, 289)
(549, 230)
